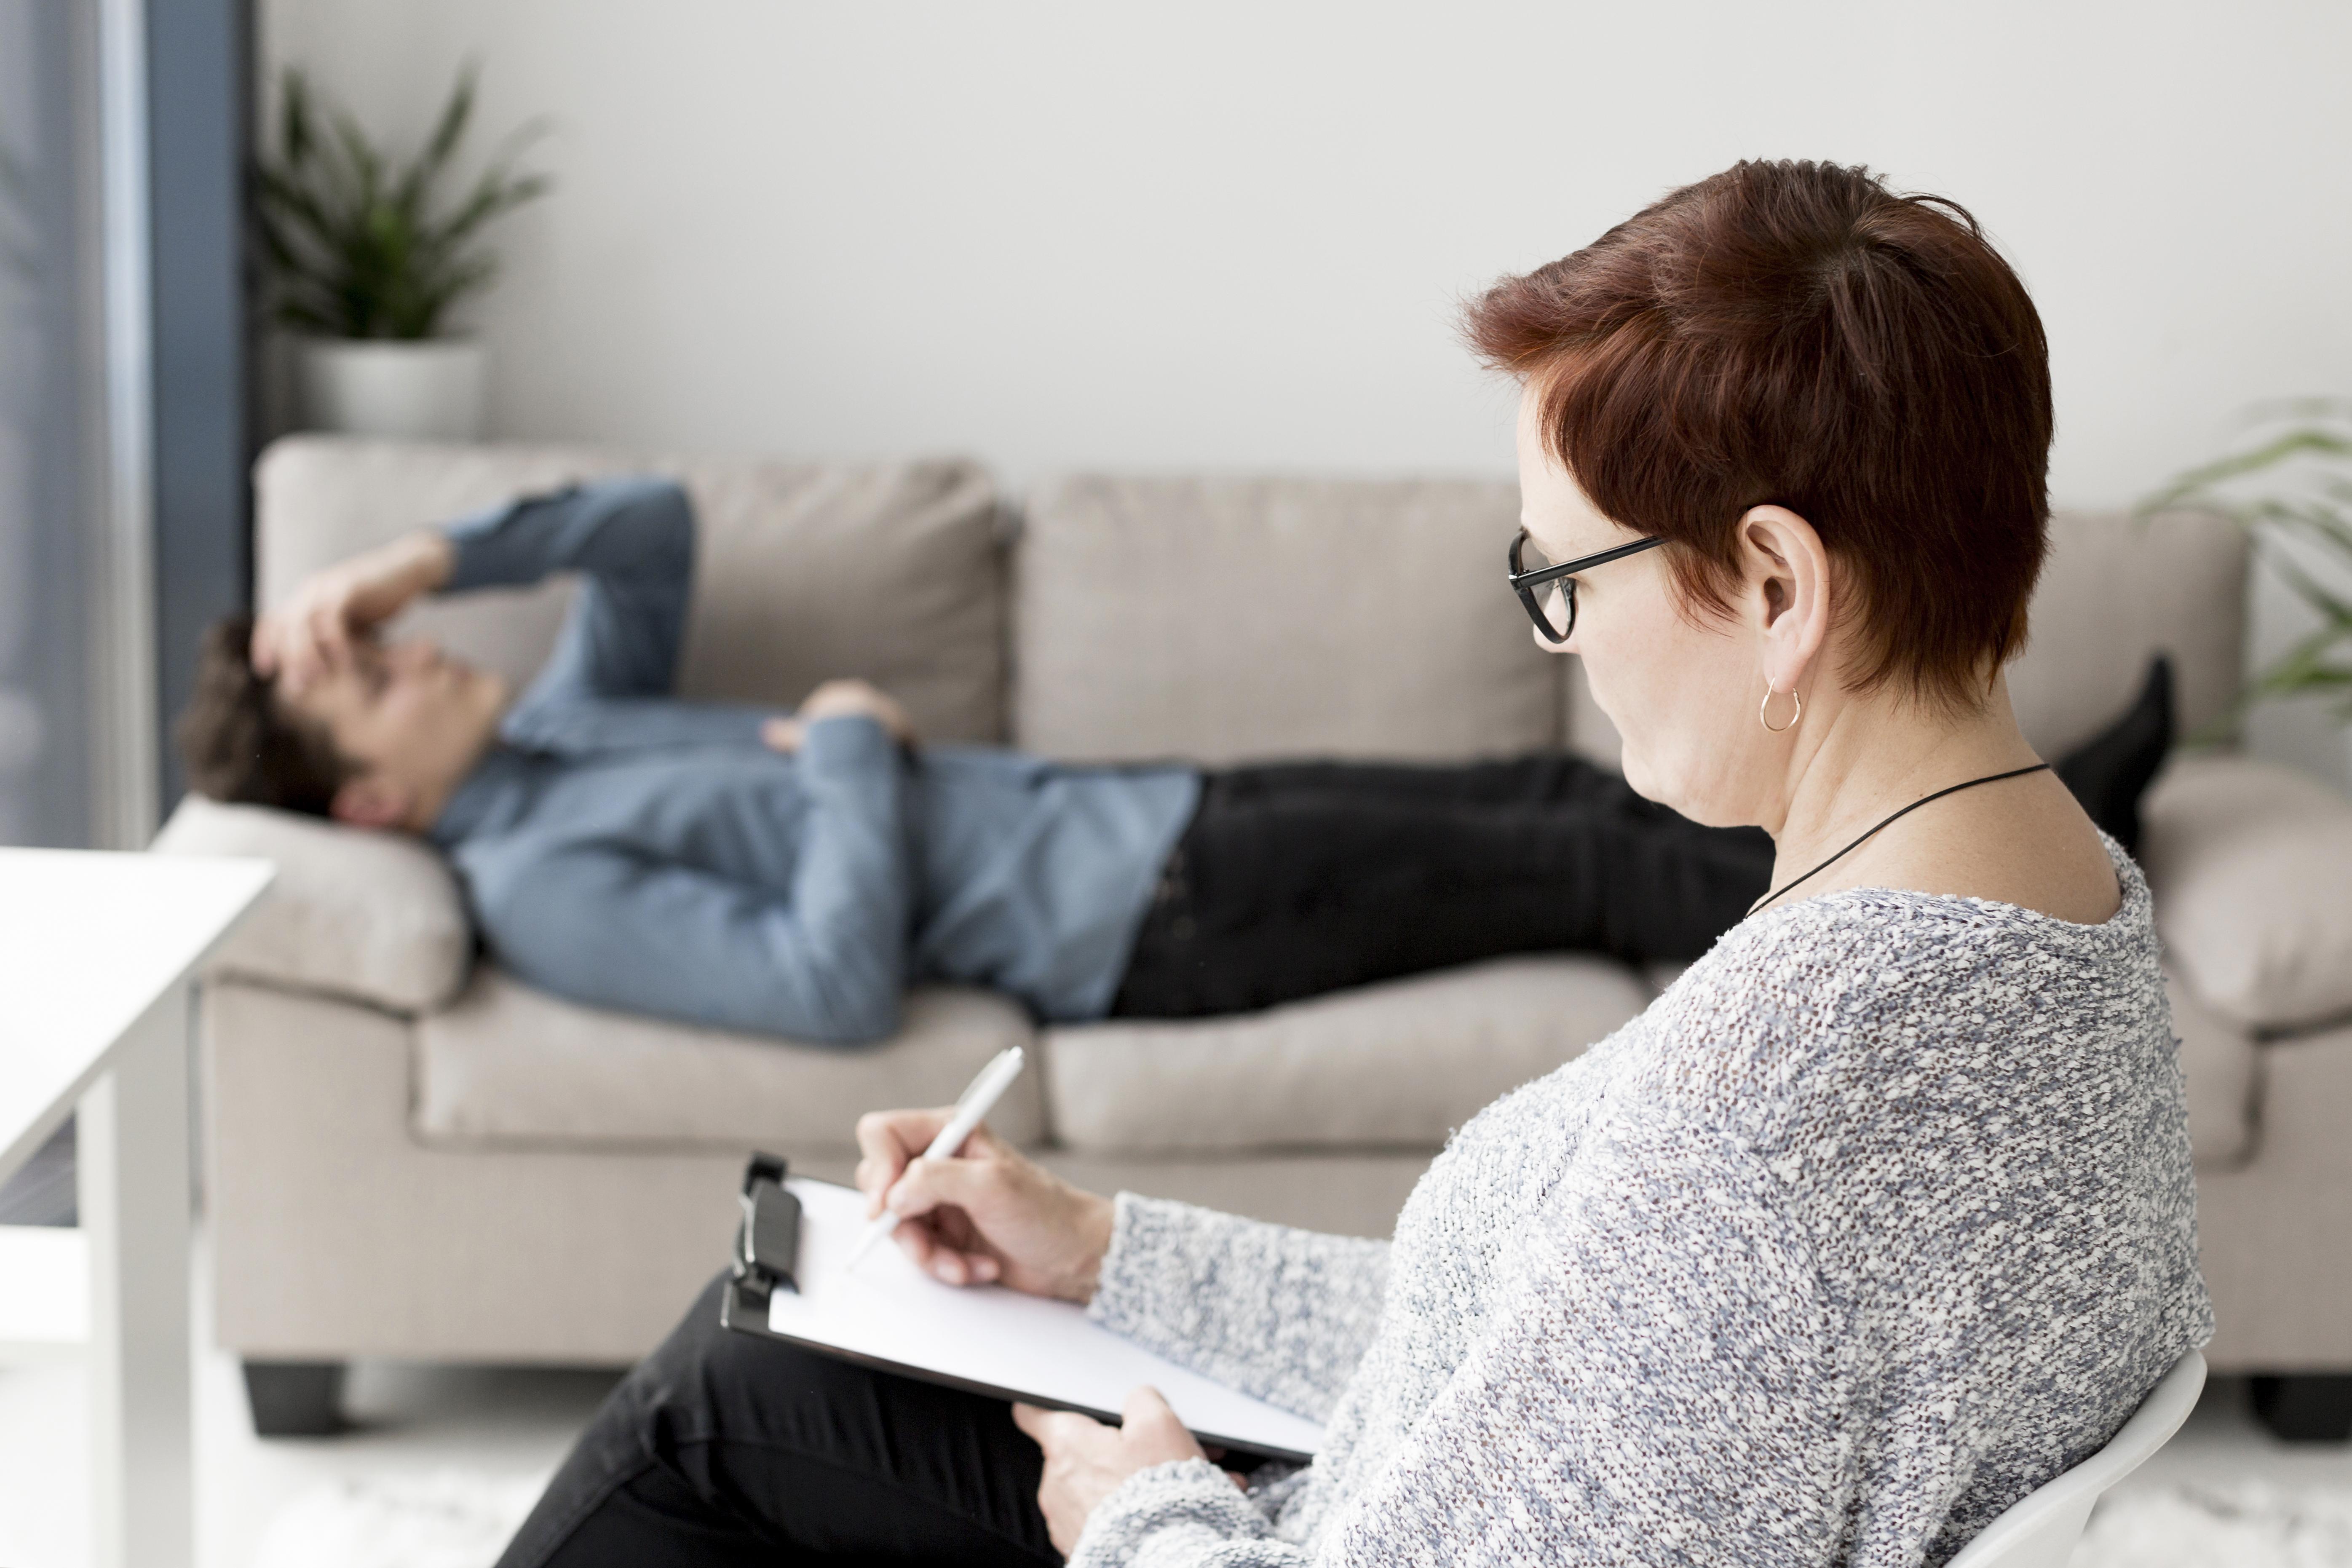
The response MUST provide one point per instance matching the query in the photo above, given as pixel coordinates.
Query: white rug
(442, 1518)
(2245, 1525)
(449, 1519)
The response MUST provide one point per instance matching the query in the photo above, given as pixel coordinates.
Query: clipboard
(986, 1339)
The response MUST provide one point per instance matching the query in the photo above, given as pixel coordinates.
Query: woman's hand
(986, 1215)
(1086, 1460)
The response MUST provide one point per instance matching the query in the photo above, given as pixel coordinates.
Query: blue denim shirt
(630, 850)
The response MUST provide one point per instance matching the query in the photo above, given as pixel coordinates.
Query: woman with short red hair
(1879, 1218)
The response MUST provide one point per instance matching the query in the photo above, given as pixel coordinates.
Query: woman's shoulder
(1825, 944)
(1873, 980)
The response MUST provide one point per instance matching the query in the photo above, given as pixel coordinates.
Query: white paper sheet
(993, 1340)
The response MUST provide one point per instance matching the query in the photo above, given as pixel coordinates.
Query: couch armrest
(2250, 866)
(373, 916)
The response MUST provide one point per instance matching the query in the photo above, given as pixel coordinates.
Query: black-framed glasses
(1530, 583)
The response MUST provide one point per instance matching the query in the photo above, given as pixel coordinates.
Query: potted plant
(368, 259)
(2290, 487)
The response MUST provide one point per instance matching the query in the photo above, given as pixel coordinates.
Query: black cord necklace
(1955, 789)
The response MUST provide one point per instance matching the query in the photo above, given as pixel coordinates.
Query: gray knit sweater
(1880, 1217)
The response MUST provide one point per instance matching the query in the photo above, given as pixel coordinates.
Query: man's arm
(632, 541)
(824, 960)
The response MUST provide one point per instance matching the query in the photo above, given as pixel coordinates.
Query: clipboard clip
(768, 1241)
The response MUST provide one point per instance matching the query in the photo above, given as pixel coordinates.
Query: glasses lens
(1556, 602)
(1553, 604)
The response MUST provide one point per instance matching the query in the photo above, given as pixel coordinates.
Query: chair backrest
(2040, 1529)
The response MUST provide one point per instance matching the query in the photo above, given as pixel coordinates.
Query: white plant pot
(427, 390)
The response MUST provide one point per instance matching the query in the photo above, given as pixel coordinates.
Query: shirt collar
(487, 795)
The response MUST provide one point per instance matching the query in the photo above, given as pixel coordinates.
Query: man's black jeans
(728, 1450)
(1298, 880)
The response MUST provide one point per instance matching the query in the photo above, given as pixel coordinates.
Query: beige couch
(413, 1155)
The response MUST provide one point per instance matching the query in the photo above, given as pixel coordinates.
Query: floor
(411, 1421)
(511, 1424)
(414, 1420)
(2221, 1446)
(508, 1424)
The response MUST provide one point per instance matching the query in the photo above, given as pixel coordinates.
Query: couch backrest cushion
(888, 570)
(2116, 590)
(1225, 619)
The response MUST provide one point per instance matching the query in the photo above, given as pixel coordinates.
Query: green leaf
(446, 133)
(366, 164)
(2307, 507)
(362, 243)
(2313, 593)
(494, 195)
(2326, 529)
(2197, 481)
(295, 133)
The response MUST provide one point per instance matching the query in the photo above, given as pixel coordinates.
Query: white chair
(2039, 1530)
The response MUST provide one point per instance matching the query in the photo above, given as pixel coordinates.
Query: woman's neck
(1863, 757)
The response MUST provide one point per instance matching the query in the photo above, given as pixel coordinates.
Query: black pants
(1297, 880)
(728, 1450)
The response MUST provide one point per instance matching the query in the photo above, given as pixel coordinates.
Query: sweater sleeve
(1279, 1313)
(1660, 1386)
(631, 543)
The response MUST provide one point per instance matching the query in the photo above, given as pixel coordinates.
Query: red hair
(1796, 333)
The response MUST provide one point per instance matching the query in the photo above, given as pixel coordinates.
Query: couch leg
(296, 1398)
(2311, 1408)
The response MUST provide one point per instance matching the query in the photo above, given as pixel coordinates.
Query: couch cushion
(1402, 1063)
(892, 571)
(507, 1064)
(1227, 620)
(2221, 1063)
(374, 916)
(2116, 590)
(2250, 862)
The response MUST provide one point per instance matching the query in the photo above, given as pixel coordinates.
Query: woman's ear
(1790, 585)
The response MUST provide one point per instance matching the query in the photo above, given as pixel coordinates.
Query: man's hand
(1086, 1460)
(310, 636)
(834, 700)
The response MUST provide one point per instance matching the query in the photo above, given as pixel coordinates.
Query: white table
(96, 955)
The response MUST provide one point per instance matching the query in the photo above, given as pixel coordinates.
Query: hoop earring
(1764, 710)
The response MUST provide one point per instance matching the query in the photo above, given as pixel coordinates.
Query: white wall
(1232, 235)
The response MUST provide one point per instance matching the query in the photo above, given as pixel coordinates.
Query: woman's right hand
(988, 1214)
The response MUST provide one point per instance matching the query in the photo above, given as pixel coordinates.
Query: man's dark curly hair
(240, 745)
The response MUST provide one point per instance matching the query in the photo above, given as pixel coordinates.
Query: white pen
(975, 1104)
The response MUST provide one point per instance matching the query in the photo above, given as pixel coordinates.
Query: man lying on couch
(790, 875)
